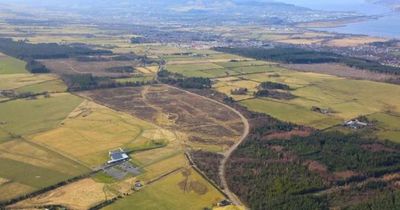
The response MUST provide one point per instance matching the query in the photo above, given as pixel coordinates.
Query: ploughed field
(205, 123)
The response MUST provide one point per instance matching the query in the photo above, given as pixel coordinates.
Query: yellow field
(78, 195)
(82, 194)
(51, 86)
(28, 153)
(147, 69)
(92, 130)
(14, 81)
(13, 189)
(226, 86)
(164, 166)
(302, 41)
(149, 157)
(354, 41)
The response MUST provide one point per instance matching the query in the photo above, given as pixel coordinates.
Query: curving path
(222, 168)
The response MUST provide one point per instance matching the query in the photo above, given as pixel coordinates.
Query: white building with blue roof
(117, 156)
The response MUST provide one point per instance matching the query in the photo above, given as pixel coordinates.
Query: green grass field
(23, 117)
(50, 86)
(347, 98)
(10, 65)
(175, 191)
(253, 69)
(204, 56)
(30, 167)
(192, 67)
(290, 113)
(31, 82)
(38, 176)
(91, 131)
(388, 126)
(241, 63)
(211, 70)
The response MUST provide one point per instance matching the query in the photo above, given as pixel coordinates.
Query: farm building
(355, 124)
(117, 156)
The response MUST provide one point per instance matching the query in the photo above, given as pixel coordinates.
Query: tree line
(179, 80)
(24, 50)
(296, 55)
(81, 82)
(30, 52)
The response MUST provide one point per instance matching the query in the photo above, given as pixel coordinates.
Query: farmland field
(147, 69)
(211, 57)
(10, 65)
(44, 166)
(387, 125)
(341, 71)
(290, 113)
(219, 69)
(161, 163)
(82, 194)
(345, 97)
(182, 190)
(29, 82)
(50, 86)
(23, 117)
(233, 64)
(91, 130)
(20, 119)
(227, 84)
(179, 68)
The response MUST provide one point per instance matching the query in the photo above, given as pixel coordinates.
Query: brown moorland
(205, 122)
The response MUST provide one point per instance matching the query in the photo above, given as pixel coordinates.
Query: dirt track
(229, 152)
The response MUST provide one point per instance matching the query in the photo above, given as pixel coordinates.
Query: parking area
(121, 170)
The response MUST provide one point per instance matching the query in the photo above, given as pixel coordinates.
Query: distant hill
(203, 12)
(235, 5)
(394, 4)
